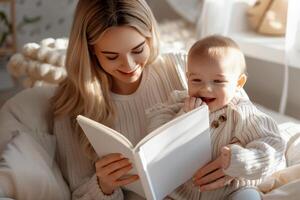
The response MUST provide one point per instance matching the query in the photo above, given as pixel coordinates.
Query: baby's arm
(263, 149)
(162, 113)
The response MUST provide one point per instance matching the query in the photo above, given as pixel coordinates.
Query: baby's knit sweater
(259, 153)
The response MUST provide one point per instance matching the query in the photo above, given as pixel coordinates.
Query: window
(232, 20)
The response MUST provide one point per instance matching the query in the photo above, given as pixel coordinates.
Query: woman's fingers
(127, 180)
(106, 160)
(225, 157)
(112, 171)
(108, 169)
(209, 178)
(222, 182)
(210, 167)
(120, 172)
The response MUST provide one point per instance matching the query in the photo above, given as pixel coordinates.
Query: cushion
(28, 170)
(28, 111)
(291, 133)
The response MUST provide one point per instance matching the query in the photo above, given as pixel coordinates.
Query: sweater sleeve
(77, 168)
(90, 190)
(262, 150)
(162, 113)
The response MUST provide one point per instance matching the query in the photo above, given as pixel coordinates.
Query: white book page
(105, 141)
(172, 157)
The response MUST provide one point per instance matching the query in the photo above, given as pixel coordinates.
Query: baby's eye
(112, 57)
(196, 80)
(138, 51)
(219, 81)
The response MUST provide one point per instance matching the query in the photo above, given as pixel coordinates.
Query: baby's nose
(207, 87)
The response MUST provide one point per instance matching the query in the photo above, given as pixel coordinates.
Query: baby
(246, 145)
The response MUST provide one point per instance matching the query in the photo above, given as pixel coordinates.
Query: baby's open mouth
(207, 99)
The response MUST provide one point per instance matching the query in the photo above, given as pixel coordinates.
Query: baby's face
(214, 81)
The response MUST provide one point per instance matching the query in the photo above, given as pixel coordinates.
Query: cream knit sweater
(260, 151)
(158, 80)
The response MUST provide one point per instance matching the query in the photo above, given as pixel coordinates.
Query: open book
(166, 158)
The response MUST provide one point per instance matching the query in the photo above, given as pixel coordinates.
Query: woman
(114, 74)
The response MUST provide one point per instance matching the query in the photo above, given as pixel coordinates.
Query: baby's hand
(191, 103)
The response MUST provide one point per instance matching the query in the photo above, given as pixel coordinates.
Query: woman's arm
(88, 181)
(90, 190)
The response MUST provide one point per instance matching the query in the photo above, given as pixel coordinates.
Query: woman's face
(123, 52)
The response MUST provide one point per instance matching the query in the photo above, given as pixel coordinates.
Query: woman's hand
(191, 103)
(111, 170)
(211, 176)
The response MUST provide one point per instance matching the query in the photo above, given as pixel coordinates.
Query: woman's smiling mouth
(131, 73)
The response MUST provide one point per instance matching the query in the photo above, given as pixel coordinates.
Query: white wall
(162, 10)
(55, 18)
(265, 84)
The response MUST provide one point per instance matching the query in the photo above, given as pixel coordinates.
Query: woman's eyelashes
(139, 51)
(112, 57)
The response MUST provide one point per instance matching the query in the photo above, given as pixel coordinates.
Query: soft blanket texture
(29, 171)
(27, 149)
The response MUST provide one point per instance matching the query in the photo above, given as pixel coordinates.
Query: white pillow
(31, 170)
(291, 134)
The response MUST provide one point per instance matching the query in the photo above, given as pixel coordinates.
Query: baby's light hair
(217, 47)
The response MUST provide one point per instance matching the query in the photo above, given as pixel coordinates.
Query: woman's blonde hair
(85, 91)
(216, 47)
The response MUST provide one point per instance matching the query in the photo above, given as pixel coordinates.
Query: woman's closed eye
(112, 57)
(138, 51)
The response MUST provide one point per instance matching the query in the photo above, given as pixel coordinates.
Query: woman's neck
(125, 88)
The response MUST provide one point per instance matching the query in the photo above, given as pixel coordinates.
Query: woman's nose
(129, 62)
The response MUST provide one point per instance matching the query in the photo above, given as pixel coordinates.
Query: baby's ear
(241, 81)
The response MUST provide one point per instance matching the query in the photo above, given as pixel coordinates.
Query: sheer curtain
(215, 18)
(292, 47)
(210, 16)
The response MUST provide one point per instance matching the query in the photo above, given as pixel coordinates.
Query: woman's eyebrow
(108, 52)
(137, 46)
(134, 48)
